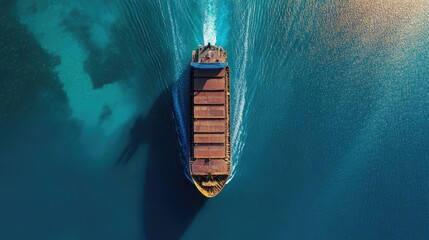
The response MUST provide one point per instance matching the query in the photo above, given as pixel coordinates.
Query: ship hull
(210, 160)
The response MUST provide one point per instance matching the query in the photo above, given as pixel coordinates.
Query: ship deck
(210, 140)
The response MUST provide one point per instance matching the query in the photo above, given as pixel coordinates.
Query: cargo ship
(210, 151)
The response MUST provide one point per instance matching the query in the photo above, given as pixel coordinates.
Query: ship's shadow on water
(170, 201)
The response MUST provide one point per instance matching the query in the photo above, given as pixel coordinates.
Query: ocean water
(330, 119)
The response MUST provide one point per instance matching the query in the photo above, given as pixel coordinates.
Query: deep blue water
(330, 119)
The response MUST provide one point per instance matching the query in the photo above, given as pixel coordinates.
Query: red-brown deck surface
(209, 72)
(209, 151)
(201, 126)
(209, 97)
(210, 103)
(214, 167)
(209, 83)
(209, 111)
(209, 138)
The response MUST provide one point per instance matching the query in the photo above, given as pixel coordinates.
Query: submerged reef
(29, 84)
(104, 65)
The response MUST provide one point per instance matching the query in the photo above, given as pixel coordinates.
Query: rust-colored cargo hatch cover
(210, 148)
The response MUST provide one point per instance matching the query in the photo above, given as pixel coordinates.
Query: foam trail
(209, 26)
(238, 132)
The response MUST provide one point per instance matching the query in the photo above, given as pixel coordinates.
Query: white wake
(240, 88)
(209, 25)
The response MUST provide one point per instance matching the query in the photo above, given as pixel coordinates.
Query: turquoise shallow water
(330, 119)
